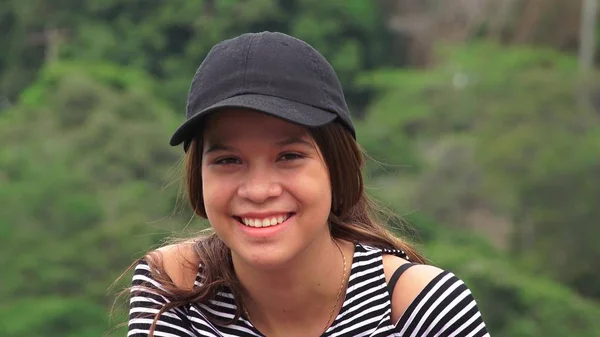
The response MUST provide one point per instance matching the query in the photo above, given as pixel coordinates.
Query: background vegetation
(483, 121)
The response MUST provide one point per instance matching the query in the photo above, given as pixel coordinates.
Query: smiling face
(266, 188)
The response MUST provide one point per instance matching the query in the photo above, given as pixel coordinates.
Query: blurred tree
(515, 302)
(53, 317)
(587, 35)
(82, 169)
(499, 138)
(170, 39)
(424, 24)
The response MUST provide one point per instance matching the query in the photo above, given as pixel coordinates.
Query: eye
(290, 156)
(227, 161)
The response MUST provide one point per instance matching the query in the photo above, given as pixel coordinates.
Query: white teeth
(264, 222)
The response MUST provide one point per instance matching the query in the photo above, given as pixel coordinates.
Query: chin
(266, 258)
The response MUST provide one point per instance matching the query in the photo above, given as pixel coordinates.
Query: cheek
(215, 193)
(313, 189)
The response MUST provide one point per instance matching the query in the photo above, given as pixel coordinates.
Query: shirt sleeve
(445, 308)
(146, 302)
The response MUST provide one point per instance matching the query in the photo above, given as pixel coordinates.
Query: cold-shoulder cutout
(429, 301)
(409, 285)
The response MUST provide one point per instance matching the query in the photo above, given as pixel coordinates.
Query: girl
(273, 164)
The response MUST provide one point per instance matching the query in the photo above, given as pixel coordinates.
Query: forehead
(231, 124)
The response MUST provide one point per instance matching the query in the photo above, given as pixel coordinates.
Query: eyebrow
(294, 140)
(288, 141)
(218, 147)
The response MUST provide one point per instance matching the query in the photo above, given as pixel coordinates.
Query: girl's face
(266, 188)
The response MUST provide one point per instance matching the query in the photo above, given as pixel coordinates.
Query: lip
(264, 232)
(261, 215)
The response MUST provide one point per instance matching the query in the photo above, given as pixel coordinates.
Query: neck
(300, 294)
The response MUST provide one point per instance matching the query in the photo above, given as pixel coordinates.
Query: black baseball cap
(268, 72)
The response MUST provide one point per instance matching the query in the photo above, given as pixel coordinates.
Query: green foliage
(513, 302)
(82, 174)
(53, 317)
(517, 137)
(169, 39)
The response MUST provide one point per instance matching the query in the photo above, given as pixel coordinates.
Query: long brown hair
(353, 218)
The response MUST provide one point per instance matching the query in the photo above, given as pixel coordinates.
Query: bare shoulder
(409, 285)
(180, 262)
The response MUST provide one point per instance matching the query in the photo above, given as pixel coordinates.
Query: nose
(259, 187)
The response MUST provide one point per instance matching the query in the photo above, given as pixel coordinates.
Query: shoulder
(151, 292)
(178, 261)
(423, 291)
(412, 282)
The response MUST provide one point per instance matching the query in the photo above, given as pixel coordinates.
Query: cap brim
(290, 111)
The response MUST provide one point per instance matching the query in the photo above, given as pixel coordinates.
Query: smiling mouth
(264, 222)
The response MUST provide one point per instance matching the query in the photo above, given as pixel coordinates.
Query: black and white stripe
(445, 307)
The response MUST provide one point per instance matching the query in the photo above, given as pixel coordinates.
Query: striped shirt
(445, 307)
